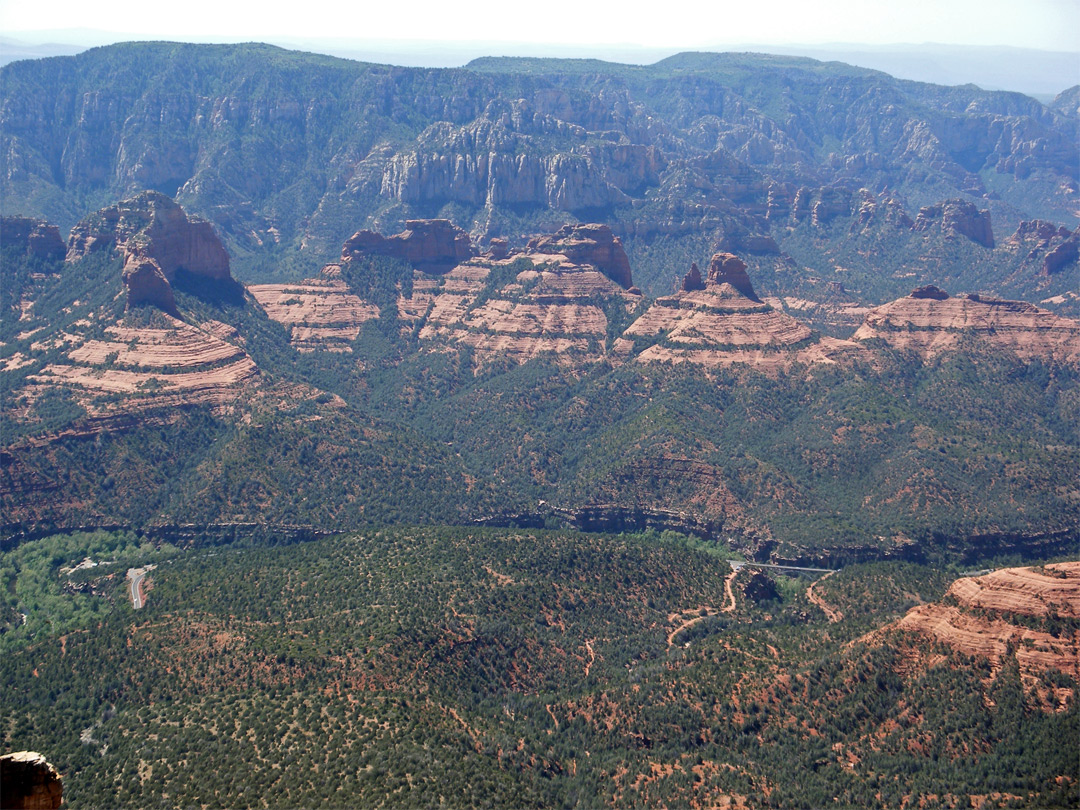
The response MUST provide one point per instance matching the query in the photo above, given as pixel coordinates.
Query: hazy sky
(1046, 24)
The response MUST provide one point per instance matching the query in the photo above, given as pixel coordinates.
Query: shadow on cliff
(219, 292)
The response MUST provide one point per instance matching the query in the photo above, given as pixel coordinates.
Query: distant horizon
(1042, 73)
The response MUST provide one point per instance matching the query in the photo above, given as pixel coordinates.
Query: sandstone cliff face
(151, 226)
(929, 322)
(157, 239)
(957, 217)
(593, 244)
(430, 245)
(37, 237)
(990, 616)
(29, 782)
(498, 159)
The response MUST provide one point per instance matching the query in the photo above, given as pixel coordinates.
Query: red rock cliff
(37, 237)
(431, 245)
(590, 243)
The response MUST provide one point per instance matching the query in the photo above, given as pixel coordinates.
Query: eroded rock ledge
(430, 245)
(29, 782)
(997, 616)
(157, 239)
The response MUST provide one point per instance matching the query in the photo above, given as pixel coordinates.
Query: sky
(670, 24)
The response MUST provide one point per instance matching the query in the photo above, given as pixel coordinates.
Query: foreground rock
(29, 782)
(929, 321)
(157, 240)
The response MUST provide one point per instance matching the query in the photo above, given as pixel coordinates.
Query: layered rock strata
(320, 313)
(549, 306)
(721, 322)
(930, 321)
(999, 615)
(176, 364)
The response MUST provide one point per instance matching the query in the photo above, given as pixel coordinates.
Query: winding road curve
(136, 576)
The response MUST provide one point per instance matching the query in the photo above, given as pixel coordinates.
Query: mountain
(815, 170)
(536, 433)
(420, 376)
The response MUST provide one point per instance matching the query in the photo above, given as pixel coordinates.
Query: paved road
(136, 576)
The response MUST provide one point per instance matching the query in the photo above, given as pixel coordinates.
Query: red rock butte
(430, 245)
(991, 616)
(157, 239)
(930, 321)
(590, 243)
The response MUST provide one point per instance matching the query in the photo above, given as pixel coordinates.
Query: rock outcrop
(29, 782)
(152, 226)
(430, 245)
(146, 284)
(34, 236)
(998, 616)
(1064, 254)
(692, 280)
(590, 243)
(1049, 247)
(157, 239)
(726, 268)
(722, 322)
(957, 217)
(930, 293)
(320, 313)
(929, 321)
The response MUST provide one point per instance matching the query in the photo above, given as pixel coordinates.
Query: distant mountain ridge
(288, 153)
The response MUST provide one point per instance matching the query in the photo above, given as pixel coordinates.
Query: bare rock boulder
(29, 782)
